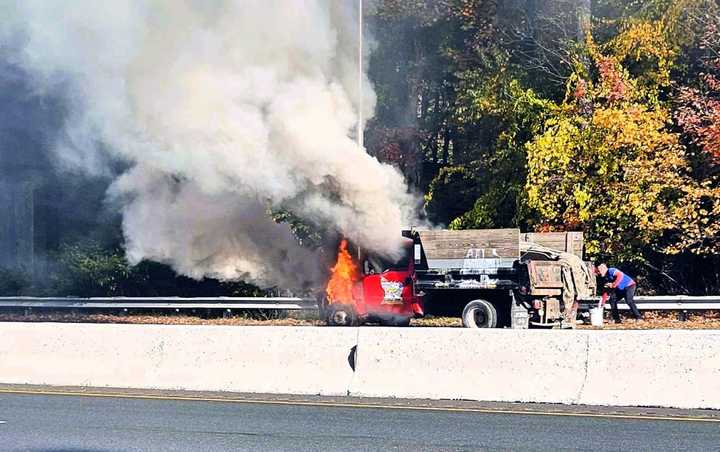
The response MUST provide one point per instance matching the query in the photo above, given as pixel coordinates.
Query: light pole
(360, 128)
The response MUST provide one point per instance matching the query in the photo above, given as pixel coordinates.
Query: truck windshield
(377, 264)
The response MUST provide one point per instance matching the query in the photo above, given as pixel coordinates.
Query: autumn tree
(620, 170)
(598, 116)
(698, 107)
(617, 173)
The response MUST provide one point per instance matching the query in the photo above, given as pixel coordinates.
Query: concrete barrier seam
(587, 363)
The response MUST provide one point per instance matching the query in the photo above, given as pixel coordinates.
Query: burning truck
(490, 278)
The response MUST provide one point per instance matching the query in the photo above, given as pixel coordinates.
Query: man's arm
(618, 277)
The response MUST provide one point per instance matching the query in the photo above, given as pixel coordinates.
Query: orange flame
(343, 276)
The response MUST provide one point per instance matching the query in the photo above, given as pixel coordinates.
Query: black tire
(402, 321)
(479, 314)
(388, 319)
(341, 315)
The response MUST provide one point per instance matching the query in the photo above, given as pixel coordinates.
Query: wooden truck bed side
(569, 242)
(444, 249)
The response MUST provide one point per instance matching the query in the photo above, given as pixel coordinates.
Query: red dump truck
(490, 278)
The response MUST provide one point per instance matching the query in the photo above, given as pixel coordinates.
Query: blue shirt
(619, 279)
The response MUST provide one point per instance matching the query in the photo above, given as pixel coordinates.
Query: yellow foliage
(621, 175)
(645, 41)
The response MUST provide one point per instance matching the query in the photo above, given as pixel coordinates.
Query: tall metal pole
(360, 125)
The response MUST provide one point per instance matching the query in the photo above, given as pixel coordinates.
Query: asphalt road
(57, 423)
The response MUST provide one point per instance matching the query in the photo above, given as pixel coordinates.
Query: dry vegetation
(666, 320)
(180, 319)
(438, 321)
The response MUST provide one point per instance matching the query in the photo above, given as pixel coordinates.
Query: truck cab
(384, 294)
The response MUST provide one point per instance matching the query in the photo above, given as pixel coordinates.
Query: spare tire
(479, 314)
(341, 315)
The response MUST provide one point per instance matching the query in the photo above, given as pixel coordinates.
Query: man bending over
(622, 286)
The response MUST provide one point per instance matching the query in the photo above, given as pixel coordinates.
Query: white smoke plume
(222, 111)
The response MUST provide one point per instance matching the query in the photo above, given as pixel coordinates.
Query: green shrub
(13, 282)
(88, 270)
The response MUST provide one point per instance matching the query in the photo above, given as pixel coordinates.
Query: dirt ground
(664, 320)
(653, 320)
(170, 319)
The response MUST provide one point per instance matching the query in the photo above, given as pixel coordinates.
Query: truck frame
(488, 277)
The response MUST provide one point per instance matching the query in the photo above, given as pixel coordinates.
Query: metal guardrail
(645, 303)
(665, 303)
(159, 303)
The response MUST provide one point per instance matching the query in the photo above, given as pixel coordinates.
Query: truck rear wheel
(479, 314)
(341, 315)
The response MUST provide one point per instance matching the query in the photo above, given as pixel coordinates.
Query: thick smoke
(222, 112)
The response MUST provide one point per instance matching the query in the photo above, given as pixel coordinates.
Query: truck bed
(479, 258)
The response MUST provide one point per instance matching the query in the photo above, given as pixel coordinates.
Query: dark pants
(629, 295)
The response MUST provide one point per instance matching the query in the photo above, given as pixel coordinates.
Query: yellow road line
(364, 405)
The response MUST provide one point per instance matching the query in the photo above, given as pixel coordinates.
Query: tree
(87, 270)
(621, 173)
(698, 107)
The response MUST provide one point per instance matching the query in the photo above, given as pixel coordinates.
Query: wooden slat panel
(496, 243)
(570, 242)
(576, 243)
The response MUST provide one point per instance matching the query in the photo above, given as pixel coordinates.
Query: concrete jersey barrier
(644, 368)
(209, 358)
(489, 365)
(667, 368)
(671, 368)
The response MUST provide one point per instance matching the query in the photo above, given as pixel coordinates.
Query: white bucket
(596, 317)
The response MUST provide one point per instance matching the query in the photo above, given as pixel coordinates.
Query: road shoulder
(649, 413)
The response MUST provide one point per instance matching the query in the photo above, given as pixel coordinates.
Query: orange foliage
(611, 79)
